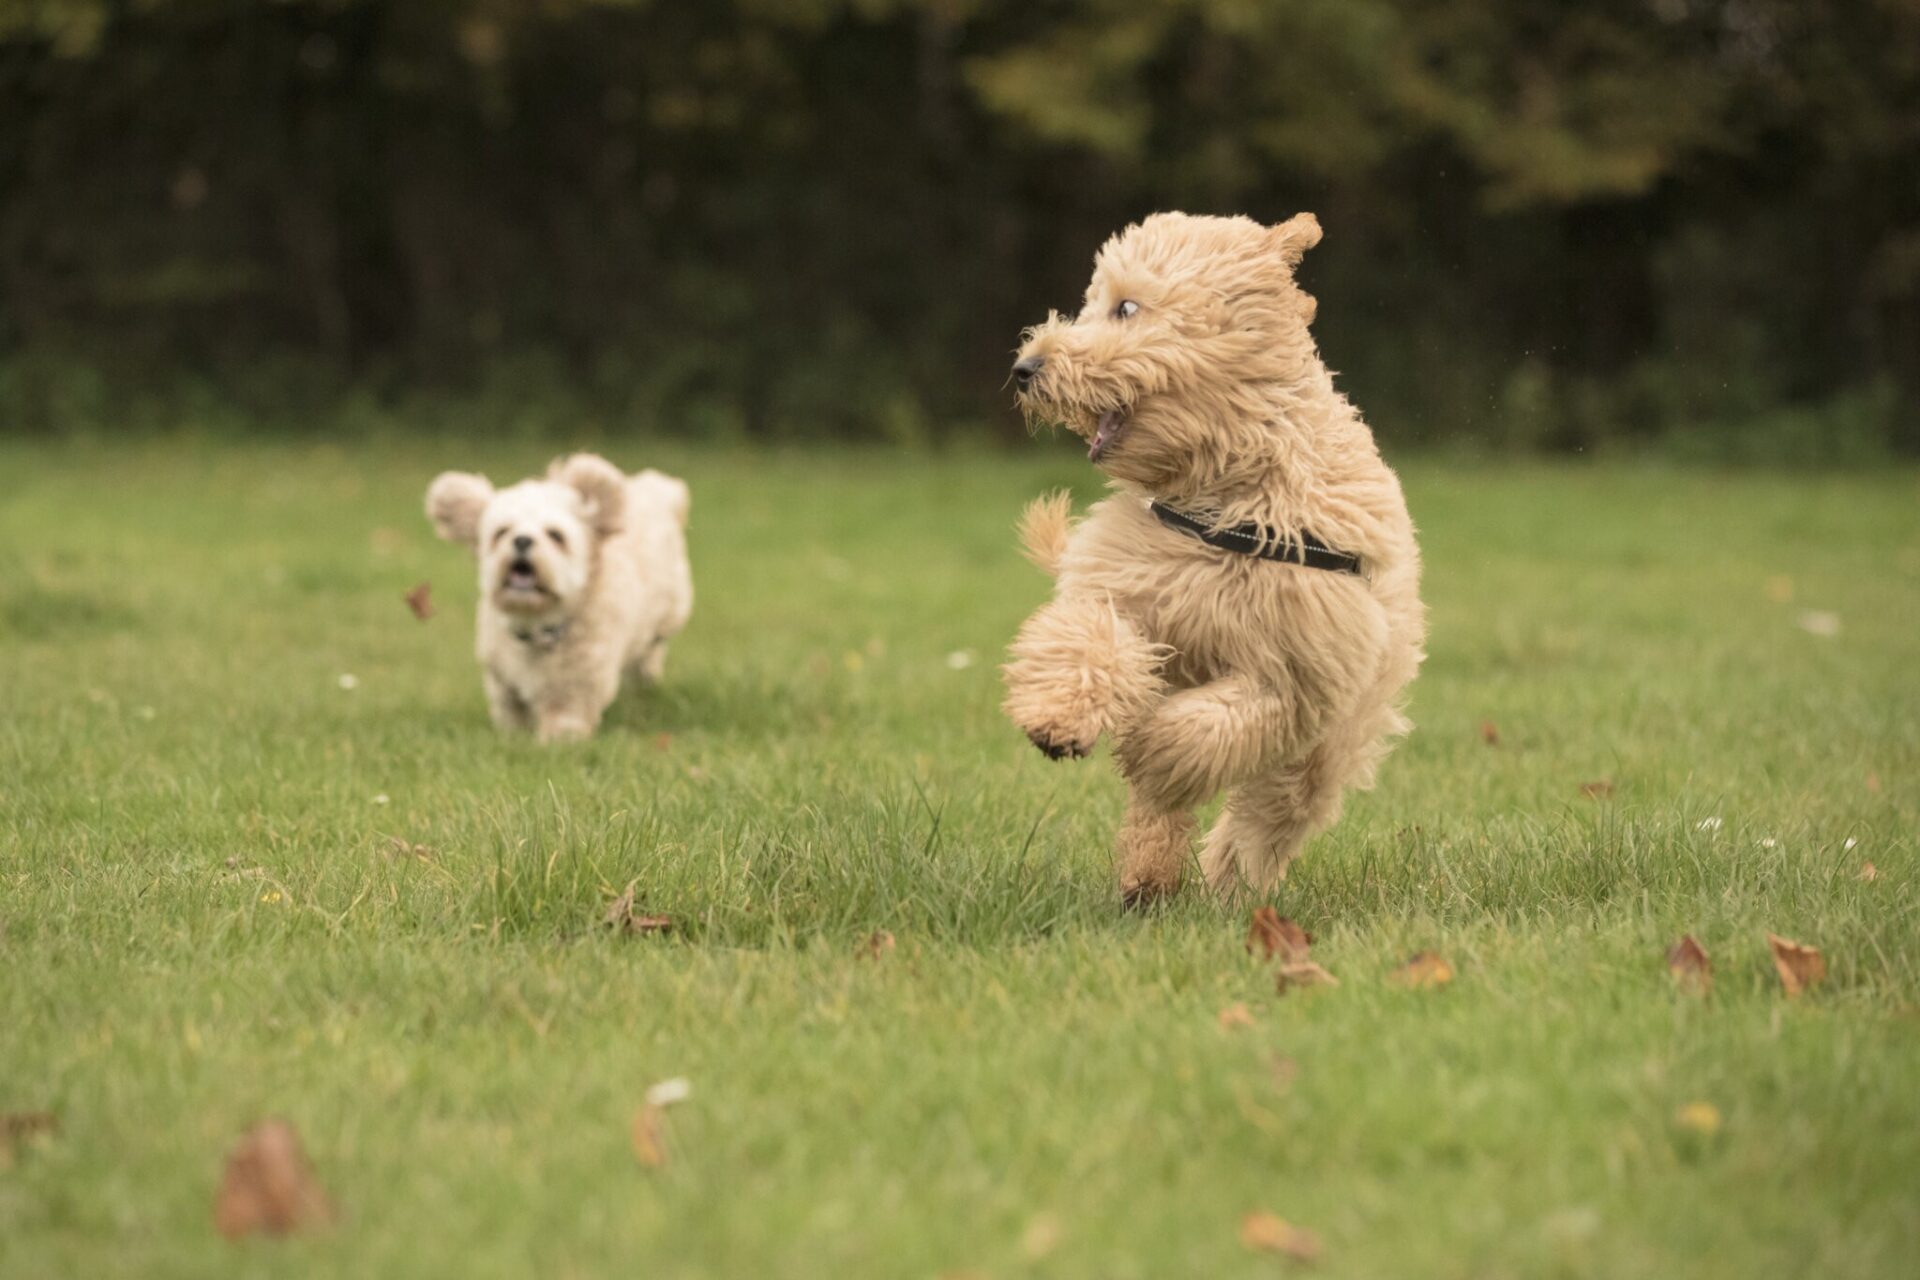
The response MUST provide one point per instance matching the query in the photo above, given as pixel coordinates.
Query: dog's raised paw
(1057, 749)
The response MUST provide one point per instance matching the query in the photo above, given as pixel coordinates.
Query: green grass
(203, 919)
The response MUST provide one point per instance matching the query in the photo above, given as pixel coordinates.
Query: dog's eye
(1126, 310)
(558, 540)
(498, 534)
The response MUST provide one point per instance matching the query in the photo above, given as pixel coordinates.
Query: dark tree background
(1549, 224)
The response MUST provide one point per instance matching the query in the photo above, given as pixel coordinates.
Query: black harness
(1266, 544)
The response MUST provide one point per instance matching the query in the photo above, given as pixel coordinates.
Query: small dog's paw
(1139, 895)
(1058, 746)
(556, 732)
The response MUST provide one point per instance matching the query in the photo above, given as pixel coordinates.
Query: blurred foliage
(1550, 225)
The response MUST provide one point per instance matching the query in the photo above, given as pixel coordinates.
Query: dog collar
(1258, 540)
(541, 638)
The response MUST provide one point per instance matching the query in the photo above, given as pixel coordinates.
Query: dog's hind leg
(1153, 846)
(1266, 822)
(1268, 818)
(1079, 669)
(651, 665)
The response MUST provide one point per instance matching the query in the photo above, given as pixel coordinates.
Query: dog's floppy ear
(1295, 236)
(455, 500)
(602, 485)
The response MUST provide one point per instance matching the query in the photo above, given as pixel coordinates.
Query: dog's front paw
(1138, 895)
(1056, 745)
(559, 730)
(1063, 728)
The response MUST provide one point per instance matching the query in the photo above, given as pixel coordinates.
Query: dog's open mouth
(522, 580)
(1109, 428)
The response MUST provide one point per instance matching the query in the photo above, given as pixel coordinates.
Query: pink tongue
(1099, 442)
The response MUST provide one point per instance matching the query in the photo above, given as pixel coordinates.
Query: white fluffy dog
(583, 575)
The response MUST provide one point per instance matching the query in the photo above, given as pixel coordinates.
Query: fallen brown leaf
(268, 1186)
(1268, 1233)
(649, 1135)
(1598, 789)
(625, 917)
(1799, 966)
(1869, 872)
(420, 600)
(1688, 964)
(662, 742)
(1702, 1118)
(1235, 1015)
(398, 848)
(877, 944)
(648, 1131)
(17, 1127)
(1272, 934)
(1302, 973)
(1873, 784)
(1489, 733)
(1042, 1236)
(1423, 969)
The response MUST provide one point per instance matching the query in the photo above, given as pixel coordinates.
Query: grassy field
(232, 888)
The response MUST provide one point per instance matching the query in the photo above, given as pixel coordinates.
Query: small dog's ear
(1295, 236)
(602, 484)
(455, 501)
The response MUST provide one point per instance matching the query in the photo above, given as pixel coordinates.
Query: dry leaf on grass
(1799, 966)
(877, 944)
(1042, 1236)
(398, 848)
(268, 1186)
(1490, 733)
(648, 1131)
(662, 742)
(420, 600)
(1688, 964)
(1235, 1015)
(1702, 1118)
(1268, 1233)
(1423, 969)
(1873, 784)
(1598, 789)
(1272, 934)
(1302, 973)
(625, 917)
(18, 1127)
(649, 1140)
(1869, 872)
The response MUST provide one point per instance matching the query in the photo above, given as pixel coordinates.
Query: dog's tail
(1044, 527)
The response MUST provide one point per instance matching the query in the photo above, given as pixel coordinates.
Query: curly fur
(583, 577)
(1211, 671)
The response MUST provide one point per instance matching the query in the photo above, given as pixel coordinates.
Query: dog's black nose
(1026, 370)
(521, 542)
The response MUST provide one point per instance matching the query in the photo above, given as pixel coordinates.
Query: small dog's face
(1188, 322)
(537, 542)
